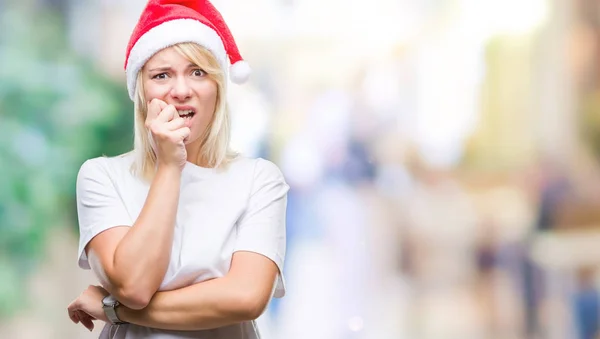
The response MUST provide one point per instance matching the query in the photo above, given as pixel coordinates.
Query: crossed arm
(242, 294)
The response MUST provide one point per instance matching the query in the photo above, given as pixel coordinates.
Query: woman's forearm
(206, 305)
(142, 256)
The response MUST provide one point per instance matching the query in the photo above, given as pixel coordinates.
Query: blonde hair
(214, 150)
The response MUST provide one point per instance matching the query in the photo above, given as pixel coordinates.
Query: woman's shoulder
(105, 165)
(255, 172)
(257, 166)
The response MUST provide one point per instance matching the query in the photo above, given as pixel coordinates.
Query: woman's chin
(188, 141)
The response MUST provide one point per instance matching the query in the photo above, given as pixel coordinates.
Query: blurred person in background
(186, 237)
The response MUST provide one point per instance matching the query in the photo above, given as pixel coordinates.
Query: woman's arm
(131, 262)
(241, 295)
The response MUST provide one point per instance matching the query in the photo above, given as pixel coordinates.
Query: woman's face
(172, 78)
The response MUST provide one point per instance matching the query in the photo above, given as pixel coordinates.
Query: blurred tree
(56, 110)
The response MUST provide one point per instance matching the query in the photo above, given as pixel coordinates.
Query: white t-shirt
(219, 213)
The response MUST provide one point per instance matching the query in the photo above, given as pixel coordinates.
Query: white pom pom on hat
(164, 23)
(240, 72)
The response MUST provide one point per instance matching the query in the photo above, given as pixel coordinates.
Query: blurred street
(443, 159)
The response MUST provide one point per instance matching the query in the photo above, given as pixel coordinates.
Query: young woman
(186, 238)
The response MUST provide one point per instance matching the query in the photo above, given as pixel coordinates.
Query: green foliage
(56, 111)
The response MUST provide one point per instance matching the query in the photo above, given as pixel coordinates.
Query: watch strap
(110, 304)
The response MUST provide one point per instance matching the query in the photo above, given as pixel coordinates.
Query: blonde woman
(186, 238)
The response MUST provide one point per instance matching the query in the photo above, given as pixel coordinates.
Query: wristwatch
(109, 304)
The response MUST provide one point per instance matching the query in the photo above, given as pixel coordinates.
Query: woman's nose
(181, 89)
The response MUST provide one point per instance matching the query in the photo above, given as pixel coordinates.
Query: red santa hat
(164, 23)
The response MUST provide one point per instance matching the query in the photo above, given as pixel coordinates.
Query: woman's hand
(88, 307)
(168, 132)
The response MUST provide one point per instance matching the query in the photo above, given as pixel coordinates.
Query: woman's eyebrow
(163, 68)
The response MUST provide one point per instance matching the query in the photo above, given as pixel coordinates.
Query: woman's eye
(160, 76)
(199, 73)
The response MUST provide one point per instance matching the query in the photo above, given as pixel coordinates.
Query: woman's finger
(167, 114)
(73, 317)
(152, 112)
(175, 124)
(183, 133)
(86, 320)
(71, 309)
(154, 108)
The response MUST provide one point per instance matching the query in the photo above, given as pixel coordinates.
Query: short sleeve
(261, 229)
(99, 206)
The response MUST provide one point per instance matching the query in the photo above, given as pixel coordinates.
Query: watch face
(109, 301)
(108, 304)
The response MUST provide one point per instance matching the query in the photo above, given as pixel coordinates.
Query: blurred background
(443, 158)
